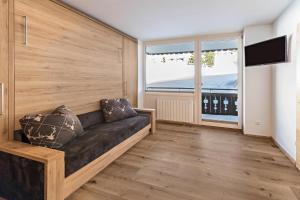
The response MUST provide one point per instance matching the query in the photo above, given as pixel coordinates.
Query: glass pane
(170, 67)
(219, 61)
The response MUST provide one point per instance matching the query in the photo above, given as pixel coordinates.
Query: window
(170, 67)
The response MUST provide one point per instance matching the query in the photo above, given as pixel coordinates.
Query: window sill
(165, 93)
(169, 91)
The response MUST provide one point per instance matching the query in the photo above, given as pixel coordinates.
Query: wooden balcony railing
(219, 102)
(214, 101)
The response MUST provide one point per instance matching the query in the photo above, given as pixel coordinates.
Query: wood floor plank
(197, 163)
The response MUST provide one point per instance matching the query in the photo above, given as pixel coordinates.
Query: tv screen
(267, 52)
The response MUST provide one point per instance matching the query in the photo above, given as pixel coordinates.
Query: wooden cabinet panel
(298, 99)
(130, 69)
(69, 60)
(3, 70)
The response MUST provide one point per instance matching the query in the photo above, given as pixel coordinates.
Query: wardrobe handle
(25, 30)
(1, 98)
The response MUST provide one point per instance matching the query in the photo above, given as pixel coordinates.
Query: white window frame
(162, 42)
(198, 39)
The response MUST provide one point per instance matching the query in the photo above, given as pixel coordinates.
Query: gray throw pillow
(64, 110)
(116, 109)
(50, 130)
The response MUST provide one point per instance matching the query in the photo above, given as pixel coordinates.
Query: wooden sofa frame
(57, 187)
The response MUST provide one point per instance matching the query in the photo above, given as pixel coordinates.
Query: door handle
(25, 30)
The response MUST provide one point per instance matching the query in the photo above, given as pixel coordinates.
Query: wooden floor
(189, 163)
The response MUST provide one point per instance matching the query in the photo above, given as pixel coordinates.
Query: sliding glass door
(220, 68)
(206, 71)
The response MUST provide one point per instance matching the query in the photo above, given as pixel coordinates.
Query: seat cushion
(99, 139)
(92, 118)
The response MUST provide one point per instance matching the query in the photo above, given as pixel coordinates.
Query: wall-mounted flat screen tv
(267, 52)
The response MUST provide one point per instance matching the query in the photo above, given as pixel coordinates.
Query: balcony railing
(214, 101)
(219, 101)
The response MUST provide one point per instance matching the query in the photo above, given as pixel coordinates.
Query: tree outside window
(207, 60)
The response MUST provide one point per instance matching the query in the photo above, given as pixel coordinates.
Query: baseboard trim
(284, 151)
(257, 136)
(199, 125)
(204, 123)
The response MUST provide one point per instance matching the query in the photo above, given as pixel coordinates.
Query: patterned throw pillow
(116, 109)
(64, 110)
(51, 130)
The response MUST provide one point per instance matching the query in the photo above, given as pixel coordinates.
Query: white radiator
(179, 110)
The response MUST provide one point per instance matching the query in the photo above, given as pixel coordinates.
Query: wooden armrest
(37, 153)
(153, 117)
(145, 110)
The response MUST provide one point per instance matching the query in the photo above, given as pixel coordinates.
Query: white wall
(284, 83)
(257, 87)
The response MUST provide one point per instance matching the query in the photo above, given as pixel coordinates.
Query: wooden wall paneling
(101, 23)
(11, 70)
(69, 60)
(130, 69)
(4, 16)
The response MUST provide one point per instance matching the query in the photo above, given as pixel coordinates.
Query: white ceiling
(158, 19)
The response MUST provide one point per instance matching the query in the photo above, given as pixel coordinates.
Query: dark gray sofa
(25, 172)
(98, 138)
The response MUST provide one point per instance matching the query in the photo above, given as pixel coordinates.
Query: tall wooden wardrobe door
(130, 70)
(3, 71)
(63, 58)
